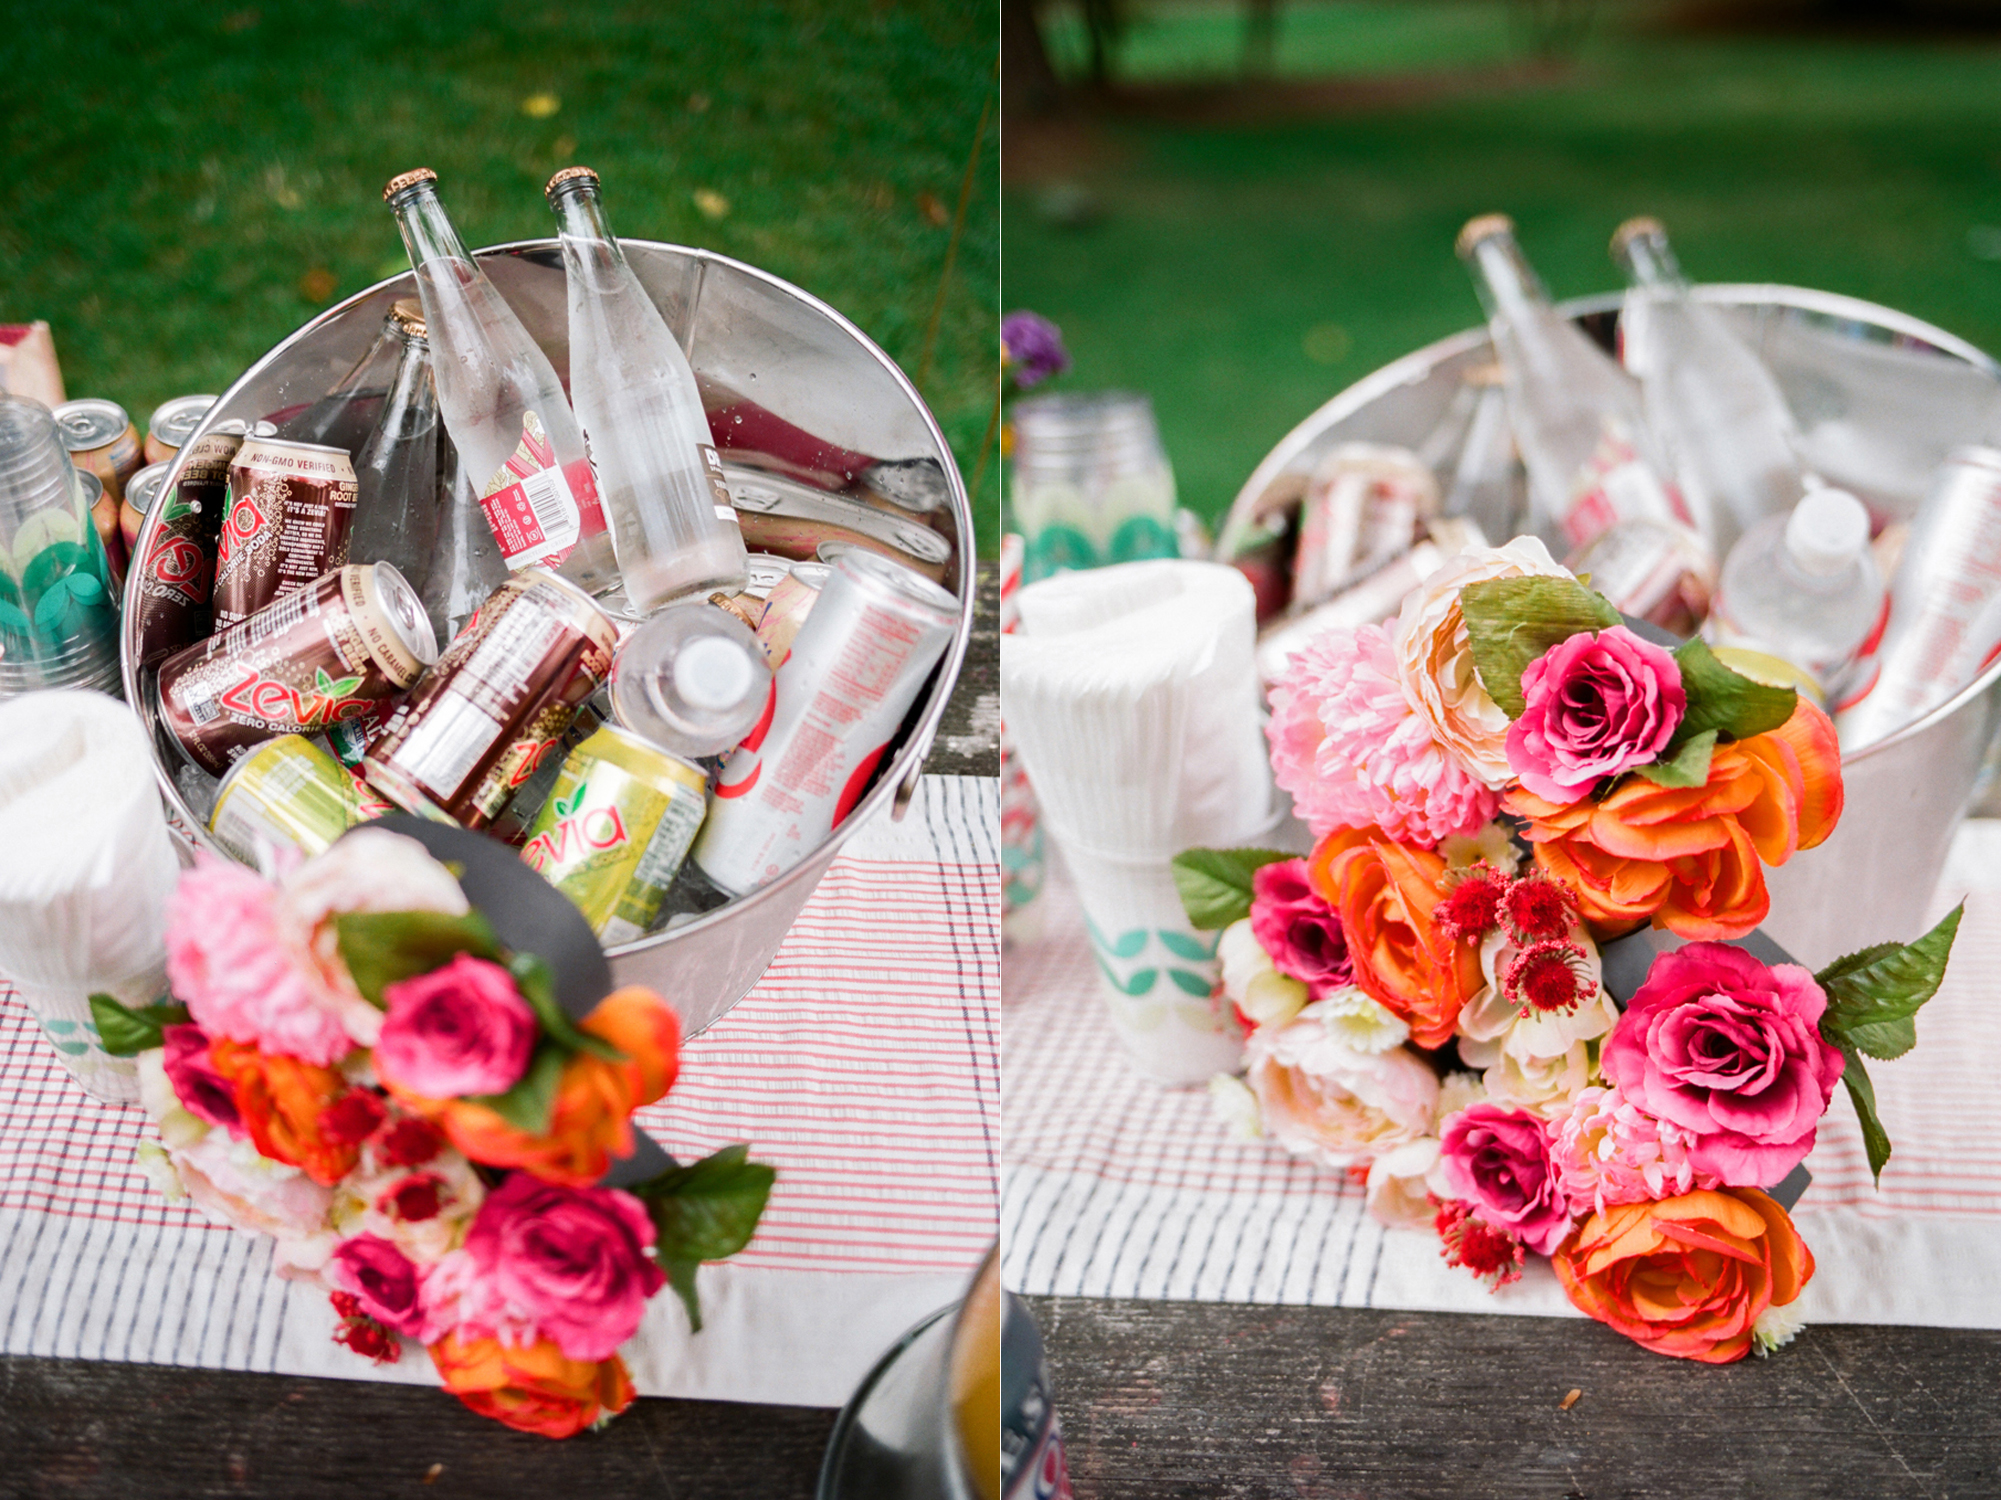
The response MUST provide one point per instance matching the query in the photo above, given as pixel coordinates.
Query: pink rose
(1298, 930)
(573, 1263)
(229, 963)
(1731, 1051)
(1497, 1159)
(203, 1092)
(461, 1029)
(1598, 704)
(383, 1279)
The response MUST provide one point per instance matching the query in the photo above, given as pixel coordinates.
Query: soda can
(177, 574)
(791, 519)
(348, 740)
(141, 491)
(1653, 570)
(855, 669)
(496, 703)
(288, 793)
(172, 424)
(101, 438)
(785, 609)
(511, 825)
(100, 506)
(1944, 624)
(321, 654)
(285, 523)
(1362, 508)
(616, 828)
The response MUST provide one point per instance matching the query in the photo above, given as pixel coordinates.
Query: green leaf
(531, 1103)
(537, 983)
(1885, 1039)
(1215, 884)
(1687, 767)
(704, 1212)
(1862, 1094)
(381, 947)
(126, 1032)
(1888, 982)
(1512, 621)
(1727, 702)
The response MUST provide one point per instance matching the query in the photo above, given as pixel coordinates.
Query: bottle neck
(427, 234)
(580, 217)
(411, 395)
(1648, 262)
(1507, 283)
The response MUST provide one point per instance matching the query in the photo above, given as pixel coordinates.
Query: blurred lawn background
(1244, 248)
(191, 182)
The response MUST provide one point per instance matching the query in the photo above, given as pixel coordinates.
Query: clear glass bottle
(1712, 403)
(659, 477)
(1577, 416)
(1472, 451)
(502, 402)
(1803, 586)
(345, 415)
(468, 566)
(397, 502)
(692, 680)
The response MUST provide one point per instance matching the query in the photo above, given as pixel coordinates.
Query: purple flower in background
(1034, 347)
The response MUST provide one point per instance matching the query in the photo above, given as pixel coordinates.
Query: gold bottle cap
(407, 179)
(729, 605)
(1484, 227)
(568, 174)
(1633, 229)
(409, 315)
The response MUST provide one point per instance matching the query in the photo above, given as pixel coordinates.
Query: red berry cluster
(362, 1333)
(1493, 1255)
(1547, 972)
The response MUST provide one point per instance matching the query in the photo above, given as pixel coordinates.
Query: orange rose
(282, 1101)
(591, 1122)
(536, 1389)
(1686, 1276)
(1385, 893)
(1689, 857)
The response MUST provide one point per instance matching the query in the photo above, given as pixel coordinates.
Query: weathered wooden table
(1178, 1400)
(83, 1428)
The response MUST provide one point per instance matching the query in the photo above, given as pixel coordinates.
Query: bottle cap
(407, 179)
(568, 174)
(409, 315)
(1485, 227)
(1635, 228)
(1827, 530)
(712, 673)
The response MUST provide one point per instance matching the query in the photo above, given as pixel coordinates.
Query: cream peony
(1322, 1099)
(1434, 657)
(1403, 1182)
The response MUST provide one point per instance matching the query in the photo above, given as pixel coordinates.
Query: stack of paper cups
(1132, 698)
(87, 873)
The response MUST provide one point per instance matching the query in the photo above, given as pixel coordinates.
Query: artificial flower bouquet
(1460, 997)
(357, 1063)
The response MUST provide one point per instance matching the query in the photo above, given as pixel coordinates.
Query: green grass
(191, 182)
(1243, 275)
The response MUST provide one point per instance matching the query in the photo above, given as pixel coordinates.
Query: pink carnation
(228, 962)
(1351, 750)
(1608, 1150)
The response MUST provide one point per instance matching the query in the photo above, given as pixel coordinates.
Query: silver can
(1945, 602)
(856, 667)
(172, 424)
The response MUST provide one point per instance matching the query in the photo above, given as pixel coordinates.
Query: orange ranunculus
(536, 1389)
(591, 1121)
(1686, 1276)
(1385, 893)
(1689, 857)
(282, 1100)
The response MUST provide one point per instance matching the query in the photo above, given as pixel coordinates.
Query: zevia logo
(176, 560)
(575, 833)
(257, 697)
(242, 523)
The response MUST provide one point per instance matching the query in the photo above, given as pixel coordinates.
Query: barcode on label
(200, 705)
(448, 742)
(549, 498)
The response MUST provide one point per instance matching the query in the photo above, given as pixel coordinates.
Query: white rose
(1401, 1183)
(1546, 1086)
(1236, 1106)
(1358, 1021)
(1265, 996)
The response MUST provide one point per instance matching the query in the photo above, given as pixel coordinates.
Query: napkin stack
(1131, 696)
(86, 871)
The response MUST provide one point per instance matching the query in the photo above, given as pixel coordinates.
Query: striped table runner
(1116, 1187)
(865, 1066)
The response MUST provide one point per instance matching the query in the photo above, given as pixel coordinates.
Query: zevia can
(616, 828)
(287, 792)
(177, 574)
(857, 663)
(498, 700)
(323, 654)
(290, 508)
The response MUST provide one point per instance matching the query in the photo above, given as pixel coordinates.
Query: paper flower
(1349, 747)
(1322, 1099)
(1608, 1151)
(1298, 929)
(1497, 1160)
(534, 1387)
(1597, 705)
(463, 1028)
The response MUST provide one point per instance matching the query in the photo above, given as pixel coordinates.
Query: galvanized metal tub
(1880, 398)
(748, 332)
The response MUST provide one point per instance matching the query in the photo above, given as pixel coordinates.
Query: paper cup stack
(89, 867)
(1132, 698)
